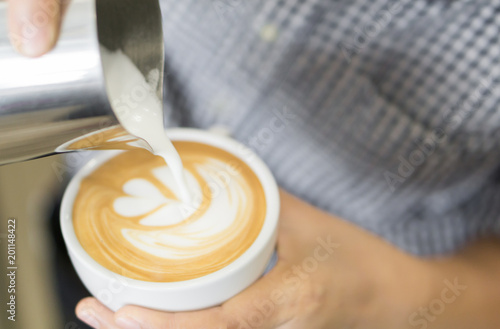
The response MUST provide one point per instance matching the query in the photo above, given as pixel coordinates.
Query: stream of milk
(140, 112)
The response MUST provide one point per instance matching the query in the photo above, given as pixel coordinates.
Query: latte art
(128, 214)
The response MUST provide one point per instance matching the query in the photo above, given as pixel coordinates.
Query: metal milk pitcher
(58, 102)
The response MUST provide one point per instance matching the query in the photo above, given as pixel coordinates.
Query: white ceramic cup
(115, 290)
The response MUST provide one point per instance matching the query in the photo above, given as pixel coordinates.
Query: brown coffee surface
(103, 232)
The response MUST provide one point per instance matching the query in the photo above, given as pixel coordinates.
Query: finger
(291, 228)
(135, 317)
(265, 304)
(34, 25)
(300, 227)
(255, 307)
(96, 315)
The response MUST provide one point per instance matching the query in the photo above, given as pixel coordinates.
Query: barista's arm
(332, 274)
(34, 25)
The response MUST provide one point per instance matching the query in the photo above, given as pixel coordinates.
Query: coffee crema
(129, 217)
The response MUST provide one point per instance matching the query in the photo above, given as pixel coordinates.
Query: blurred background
(47, 288)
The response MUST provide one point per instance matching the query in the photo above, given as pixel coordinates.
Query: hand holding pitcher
(34, 25)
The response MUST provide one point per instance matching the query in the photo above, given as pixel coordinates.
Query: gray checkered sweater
(383, 112)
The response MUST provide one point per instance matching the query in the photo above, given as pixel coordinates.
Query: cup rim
(232, 146)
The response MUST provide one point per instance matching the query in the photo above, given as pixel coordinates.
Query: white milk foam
(144, 199)
(140, 112)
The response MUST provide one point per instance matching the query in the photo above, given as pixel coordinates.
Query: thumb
(256, 307)
(265, 304)
(34, 25)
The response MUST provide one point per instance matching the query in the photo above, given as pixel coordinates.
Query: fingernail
(89, 319)
(41, 42)
(128, 323)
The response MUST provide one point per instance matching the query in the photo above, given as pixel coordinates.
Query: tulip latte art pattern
(128, 215)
